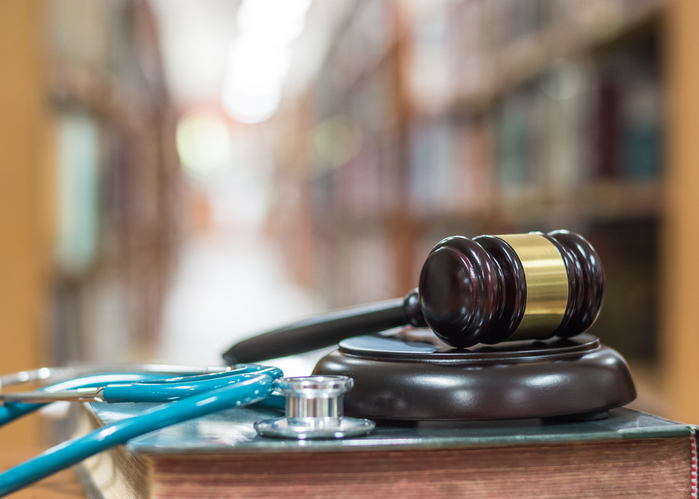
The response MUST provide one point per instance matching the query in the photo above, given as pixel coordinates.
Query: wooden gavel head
(520, 286)
(482, 290)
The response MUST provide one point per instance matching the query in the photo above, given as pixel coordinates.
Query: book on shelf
(629, 454)
(630, 116)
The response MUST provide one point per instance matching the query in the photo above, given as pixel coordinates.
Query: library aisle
(228, 288)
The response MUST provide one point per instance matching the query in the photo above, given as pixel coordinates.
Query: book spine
(693, 472)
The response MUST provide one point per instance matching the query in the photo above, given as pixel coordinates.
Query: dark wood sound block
(414, 376)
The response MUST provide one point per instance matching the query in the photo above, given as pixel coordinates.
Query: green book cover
(232, 431)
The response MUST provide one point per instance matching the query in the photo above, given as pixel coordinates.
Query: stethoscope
(184, 394)
(313, 406)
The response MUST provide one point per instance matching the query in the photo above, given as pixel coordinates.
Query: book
(630, 454)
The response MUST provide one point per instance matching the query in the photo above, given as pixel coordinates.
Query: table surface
(63, 485)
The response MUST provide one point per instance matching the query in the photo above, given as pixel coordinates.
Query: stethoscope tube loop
(152, 388)
(164, 392)
(14, 410)
(56, 374)
(249, 387)
(86, 377)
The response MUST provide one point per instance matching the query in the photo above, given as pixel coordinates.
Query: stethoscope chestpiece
(314, 410)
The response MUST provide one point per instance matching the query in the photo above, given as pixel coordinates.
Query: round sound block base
(413, 376)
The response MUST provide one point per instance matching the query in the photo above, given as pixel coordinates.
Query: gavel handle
(318, 332)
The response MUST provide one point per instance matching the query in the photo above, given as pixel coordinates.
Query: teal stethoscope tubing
(13, 410)
(139, 387)
(238, 389)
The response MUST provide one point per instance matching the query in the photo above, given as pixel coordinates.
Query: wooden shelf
(598, 202)
(680, 236)
(527, 58)
(622, 200)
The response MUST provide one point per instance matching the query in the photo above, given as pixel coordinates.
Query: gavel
(488, 289)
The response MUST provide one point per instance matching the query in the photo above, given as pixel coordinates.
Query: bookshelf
(426, 158)
(116, 180)
(481, 117)
(87, 135)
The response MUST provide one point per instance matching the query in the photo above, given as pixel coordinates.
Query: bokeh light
(204, 144)
(260, 57)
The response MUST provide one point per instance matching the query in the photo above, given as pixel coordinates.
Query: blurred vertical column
(23, 198)
(681, 237)
(117, 180)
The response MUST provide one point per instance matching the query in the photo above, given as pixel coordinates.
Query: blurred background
(179, 175)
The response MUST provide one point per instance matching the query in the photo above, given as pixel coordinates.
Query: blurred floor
(226, 289)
